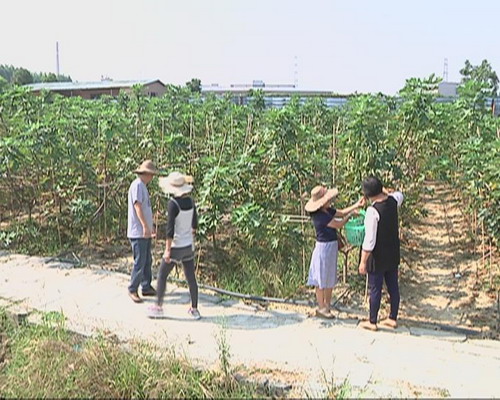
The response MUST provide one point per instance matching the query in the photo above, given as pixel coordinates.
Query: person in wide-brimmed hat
(147, 167)
(176, 184)
(179, 247)
(323, 267)
(140, 231)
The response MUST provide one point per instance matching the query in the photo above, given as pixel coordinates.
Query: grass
(47, 361)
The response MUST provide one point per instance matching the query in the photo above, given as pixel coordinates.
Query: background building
(94, 90)
(448, 89)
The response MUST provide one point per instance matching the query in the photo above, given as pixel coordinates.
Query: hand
(147, 232)
(361, 202)
(351, 213)
(362, 268)
(166, 256)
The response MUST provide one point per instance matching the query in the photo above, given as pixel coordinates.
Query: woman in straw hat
(179, 248)
(326, 220)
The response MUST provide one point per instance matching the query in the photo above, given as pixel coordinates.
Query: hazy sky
(344, 46)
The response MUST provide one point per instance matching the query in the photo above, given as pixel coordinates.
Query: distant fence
(331, 102)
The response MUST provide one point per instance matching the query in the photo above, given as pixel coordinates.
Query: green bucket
(355, 229)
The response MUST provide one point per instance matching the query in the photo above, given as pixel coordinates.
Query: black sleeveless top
(386, 254)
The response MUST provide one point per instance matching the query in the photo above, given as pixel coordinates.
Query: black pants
(166, 268)
(375, 281)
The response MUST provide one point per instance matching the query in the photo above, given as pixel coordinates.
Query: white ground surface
(286, 345)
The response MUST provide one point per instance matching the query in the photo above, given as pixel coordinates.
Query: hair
(372, 186)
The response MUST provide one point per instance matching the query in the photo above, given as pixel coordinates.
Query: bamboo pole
(366, 289)
(483, 247)
(302, 215)
(191, 137)
(334, 149)
(105, 191)
(491, 263)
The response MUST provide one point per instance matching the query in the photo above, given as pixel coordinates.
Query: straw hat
(175, 183)
(147, 167)
(320, 195)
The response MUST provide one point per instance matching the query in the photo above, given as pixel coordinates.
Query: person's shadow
(267, 319)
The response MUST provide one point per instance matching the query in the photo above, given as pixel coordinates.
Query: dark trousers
(375, 282)
(166, 268)
(141, 273)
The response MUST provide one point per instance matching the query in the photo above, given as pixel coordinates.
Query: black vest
(386, 254)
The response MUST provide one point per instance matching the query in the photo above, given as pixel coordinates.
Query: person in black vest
(380, 255)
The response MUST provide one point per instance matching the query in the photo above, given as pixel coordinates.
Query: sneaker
(155, 311)
(194, 313)
(150, 292)
(135, 297)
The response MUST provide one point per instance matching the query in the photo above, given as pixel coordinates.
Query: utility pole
(445, 70)
(57, 59)
(295, 72)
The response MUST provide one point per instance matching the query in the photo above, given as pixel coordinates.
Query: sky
(343, 46)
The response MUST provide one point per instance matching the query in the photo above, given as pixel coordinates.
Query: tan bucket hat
(175, 183)
(147, 167)
(319, 197)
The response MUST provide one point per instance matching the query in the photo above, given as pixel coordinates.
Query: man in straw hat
(323, 267)
(179, 247)
(140, 231)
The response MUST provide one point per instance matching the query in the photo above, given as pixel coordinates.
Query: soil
(442, 279)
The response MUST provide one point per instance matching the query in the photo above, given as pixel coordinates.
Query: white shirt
(183, 227)
(371, 222)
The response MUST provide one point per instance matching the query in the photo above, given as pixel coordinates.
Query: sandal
(323, 313)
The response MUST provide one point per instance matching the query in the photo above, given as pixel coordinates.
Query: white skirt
(323, 268)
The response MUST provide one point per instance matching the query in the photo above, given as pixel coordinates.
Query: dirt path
(439, 283)
(314, 357)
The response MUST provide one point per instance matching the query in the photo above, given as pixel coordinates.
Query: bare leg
(328, 297)
(320, 297)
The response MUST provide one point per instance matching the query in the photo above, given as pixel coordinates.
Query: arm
(172, 212)
(168, 247)
(398, 196)
(195, 219)
(360, 203)
(371, 225)
(365, 255)
(337, 224)
(146, 230)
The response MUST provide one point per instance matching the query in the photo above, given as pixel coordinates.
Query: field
(65, 167)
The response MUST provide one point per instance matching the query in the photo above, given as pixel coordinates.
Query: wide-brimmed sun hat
(147, 167)
(175, 183)
(320, 195)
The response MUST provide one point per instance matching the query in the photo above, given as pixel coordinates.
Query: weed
(47, 361)
(224, 350)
